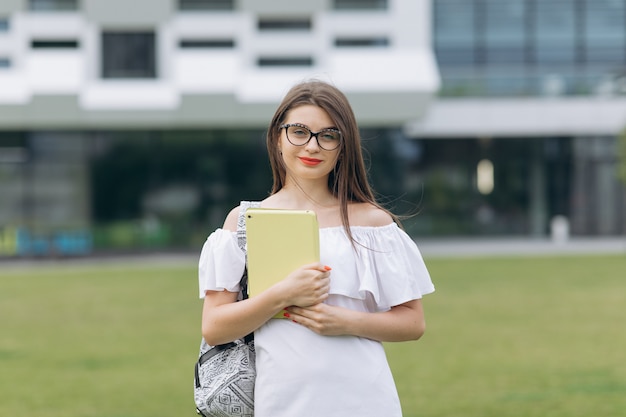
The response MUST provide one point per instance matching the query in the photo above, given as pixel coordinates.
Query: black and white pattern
(225, 381)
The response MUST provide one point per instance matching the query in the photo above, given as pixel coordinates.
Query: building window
(285, 62)
(505, 24)
(54, 44)
(4, 24)
(360, 5)
(128, 55)
(211, 5)
(554, 34)
(207, 43)
(53, 5)
(455, 37)
(285, 24)
(5, 62)
(604, 36)
(381, 42)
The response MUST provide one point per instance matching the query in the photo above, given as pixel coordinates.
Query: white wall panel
(404, 68)
(54, 72)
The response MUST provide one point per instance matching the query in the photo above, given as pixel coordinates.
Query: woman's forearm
(401, 323)
(224, 320)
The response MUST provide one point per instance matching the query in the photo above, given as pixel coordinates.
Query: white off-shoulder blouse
(300, 373)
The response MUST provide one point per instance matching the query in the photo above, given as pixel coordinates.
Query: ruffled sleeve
(221, 263)
(387, 267)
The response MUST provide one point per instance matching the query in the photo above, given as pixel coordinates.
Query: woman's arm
(401, 323)
(224, 319)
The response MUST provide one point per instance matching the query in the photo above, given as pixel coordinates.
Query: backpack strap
(241, 222)
(241, 241)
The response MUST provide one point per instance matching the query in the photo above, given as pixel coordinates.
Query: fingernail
(328, 268)
(294, 321)
(286, 315)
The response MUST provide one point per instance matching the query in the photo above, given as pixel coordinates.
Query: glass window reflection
(517, 47)
(505, 35)
(555, 32)
(604, 35)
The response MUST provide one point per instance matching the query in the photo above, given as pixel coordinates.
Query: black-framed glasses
(300, 135)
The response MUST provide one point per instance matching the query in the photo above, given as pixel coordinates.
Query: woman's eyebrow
(332, 127)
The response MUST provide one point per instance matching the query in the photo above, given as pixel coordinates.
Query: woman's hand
(321, 318)
(306, 286)
(401, 323)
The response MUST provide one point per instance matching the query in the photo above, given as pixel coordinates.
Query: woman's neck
(305, 195)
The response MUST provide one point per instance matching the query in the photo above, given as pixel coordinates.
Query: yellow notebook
(278, 242)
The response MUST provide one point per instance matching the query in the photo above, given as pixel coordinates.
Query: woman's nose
(313, 144)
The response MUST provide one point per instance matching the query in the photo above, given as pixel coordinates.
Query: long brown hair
(348, 181)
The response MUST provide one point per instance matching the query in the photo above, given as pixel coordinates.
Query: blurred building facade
(535, 93)
(487, 117)
(78, 77)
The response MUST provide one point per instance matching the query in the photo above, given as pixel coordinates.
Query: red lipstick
(310, 161)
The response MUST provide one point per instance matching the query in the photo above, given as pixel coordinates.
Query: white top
(300, 373)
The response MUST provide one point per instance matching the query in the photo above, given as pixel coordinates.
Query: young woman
(327, 359)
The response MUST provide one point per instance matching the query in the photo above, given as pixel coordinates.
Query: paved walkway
(471, 247)
(443, 247)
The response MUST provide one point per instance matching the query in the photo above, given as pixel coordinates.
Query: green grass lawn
(523, 336)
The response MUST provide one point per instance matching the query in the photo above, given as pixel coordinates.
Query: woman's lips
(310, 161)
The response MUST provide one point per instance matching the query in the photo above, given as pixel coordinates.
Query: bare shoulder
(231, 220)
(366, 214)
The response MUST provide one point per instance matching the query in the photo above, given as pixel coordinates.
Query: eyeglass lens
(328, 139)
